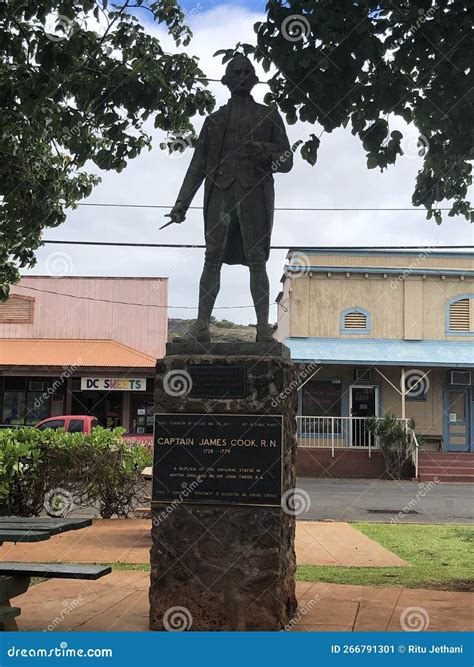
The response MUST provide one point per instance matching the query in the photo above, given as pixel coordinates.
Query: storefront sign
(225, 459)
(113, 384)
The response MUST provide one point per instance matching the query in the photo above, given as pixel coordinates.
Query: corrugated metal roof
(63, 352)
(382, 352)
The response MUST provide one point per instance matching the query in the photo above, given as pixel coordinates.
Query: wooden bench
(54, 570)
(15, 577)
(15, 580)
(10, 587)
(22, 536)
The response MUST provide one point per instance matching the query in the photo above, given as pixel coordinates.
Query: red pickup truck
(83, 424)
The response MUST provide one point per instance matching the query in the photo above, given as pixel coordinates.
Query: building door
(458, 420)
(363, 403)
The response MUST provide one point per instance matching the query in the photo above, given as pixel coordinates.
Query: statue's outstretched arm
(194, 176)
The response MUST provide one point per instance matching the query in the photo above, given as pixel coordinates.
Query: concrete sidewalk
(119, 602)
(128, 541)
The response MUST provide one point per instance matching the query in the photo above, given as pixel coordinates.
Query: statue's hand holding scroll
(257, 151)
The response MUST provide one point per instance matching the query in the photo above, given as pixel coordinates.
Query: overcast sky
(339, 179)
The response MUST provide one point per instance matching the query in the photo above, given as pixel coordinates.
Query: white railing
(336, 433)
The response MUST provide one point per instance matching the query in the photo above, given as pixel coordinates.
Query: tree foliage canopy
(361, 63)
(78, 80)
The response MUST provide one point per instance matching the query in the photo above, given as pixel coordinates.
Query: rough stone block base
(231, 568)
(227, 567)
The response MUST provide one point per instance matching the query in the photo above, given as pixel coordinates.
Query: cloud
(339, 179)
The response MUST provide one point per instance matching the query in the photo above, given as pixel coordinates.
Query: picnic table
(15, 577)
(23, 529)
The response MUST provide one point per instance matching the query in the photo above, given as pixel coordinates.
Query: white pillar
(403, 388)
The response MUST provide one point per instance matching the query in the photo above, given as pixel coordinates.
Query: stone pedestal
(226, 566)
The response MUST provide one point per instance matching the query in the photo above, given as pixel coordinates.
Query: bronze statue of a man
(238, 149)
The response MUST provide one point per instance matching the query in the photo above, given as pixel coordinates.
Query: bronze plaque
(212, 381)
(215, 458)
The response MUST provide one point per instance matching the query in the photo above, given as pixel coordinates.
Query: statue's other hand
(251, 148)
(177, 215)
(258, 152)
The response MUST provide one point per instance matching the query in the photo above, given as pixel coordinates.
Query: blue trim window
(355, 321)
(460, 315)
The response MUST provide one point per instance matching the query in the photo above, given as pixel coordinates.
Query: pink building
(78, 345)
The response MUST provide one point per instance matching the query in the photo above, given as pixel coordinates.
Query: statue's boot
(265, 334)
(198, 333)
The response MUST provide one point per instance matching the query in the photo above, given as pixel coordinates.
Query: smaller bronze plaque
(218, 381)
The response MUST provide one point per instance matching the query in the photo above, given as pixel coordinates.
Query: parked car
(70, 423)
(84, 424)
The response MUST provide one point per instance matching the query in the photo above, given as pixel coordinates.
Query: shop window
(14, 408)
(355, 320)
(26, 401)
(37, 407)
(321, 399)
(106, 406)
(460, 315)
(141, 421)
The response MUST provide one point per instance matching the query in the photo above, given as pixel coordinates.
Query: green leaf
(309, 150)
(85, 96)
(373, 71)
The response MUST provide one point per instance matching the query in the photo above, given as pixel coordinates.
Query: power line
(206, 78)
(288, 247)
(124, 303)
(277, 208)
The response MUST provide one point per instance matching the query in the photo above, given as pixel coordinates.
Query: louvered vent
(459, 316)
(16, 310)
(355, 320)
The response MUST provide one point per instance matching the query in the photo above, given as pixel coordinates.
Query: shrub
(396, 441)
(99, 470)
(21, 462)
(224, 324)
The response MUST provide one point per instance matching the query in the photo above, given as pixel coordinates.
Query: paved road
(376, 500)
(387, 501)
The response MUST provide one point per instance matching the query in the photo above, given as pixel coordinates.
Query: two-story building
(82, 346)
(380, 331)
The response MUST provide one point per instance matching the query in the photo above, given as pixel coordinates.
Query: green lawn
(440, 557)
